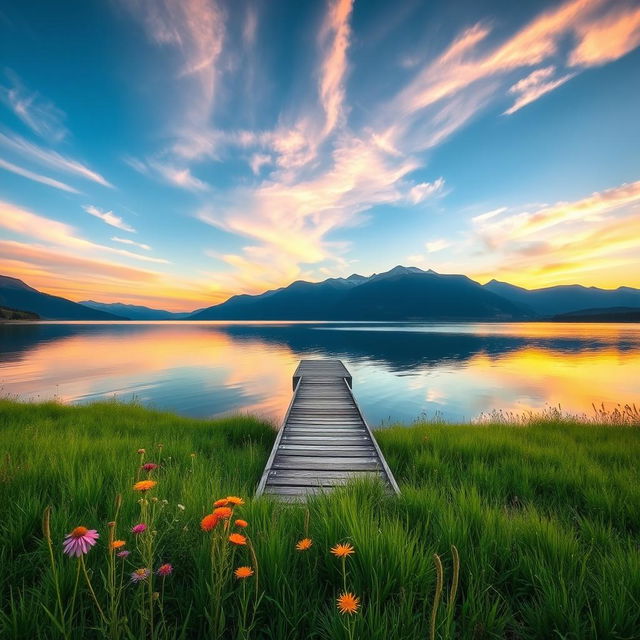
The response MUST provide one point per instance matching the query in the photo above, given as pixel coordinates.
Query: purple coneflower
(139, 528)
(164, 570)
(79, 541)
(123, 554)
(140, 574)
(149, 466)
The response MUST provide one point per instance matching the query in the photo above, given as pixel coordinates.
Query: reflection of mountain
(399, 350)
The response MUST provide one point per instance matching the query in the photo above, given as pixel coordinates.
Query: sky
(173, 153)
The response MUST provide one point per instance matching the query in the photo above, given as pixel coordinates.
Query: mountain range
(403, 293)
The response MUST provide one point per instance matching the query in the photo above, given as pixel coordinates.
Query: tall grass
(546, 518)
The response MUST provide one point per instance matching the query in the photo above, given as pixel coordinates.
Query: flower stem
(93, 593)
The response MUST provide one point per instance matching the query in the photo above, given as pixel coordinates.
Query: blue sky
(173, 153)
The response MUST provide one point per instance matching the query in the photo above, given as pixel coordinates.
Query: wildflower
(139, 528)
(180, 506)
(141, 452)
(164, 570)
(149, 466)
(160, 445)
(221, 503)
(209, 522)
(304, 544)
(140, 574)
(79, 541)
(222, 512)
(234, 500)
(193, 455)
(237, 538)
(342, 550)
(348, 603)
(123, 554)
(118, 544)
(144, 485)
(241, 523)
(243, 572)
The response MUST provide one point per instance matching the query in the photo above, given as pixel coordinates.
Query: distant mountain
(403, 293)
(551, 301)
(15, 314)
(133, 311)
(15, 294)
(610, 314)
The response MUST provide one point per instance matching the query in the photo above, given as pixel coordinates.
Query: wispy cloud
(36, 177)
(133, 243)
(38, 113)
(47, 157)
(535, 85)
(109, 217)
(58, 234)
(559, 242)
(168, 173)
(437, 245)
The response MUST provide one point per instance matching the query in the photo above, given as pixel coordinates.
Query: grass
(545, 515)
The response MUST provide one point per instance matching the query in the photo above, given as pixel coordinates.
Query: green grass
(546, 517)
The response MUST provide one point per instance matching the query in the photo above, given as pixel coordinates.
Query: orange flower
(241, 523)
(237, 538)
(222, 512)
(221, 503)
(342, 550)
(235, 500)
(117, 544)
(348, 603)
(304, 544)
(144, 485)
(209, 522)
(243, 572)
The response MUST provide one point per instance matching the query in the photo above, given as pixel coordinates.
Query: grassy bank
(546, 518)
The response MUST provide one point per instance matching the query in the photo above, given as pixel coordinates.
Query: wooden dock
(324, 440)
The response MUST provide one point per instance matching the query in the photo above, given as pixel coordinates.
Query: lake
(401, 371)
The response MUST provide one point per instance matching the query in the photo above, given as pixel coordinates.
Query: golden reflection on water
(207, 369)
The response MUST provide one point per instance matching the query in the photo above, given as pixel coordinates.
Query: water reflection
(400, 370)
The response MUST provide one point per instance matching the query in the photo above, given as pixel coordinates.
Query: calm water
(400, 370)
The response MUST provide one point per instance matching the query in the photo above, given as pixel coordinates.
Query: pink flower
(149, 466)
(79, 541)
(164, 570)
(139, 528)
(123, 554)
(140, 574)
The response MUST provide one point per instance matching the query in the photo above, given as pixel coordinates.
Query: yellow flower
(342, 550)
(348, 603)
(144, 485)
(304, 544)
(243, 572)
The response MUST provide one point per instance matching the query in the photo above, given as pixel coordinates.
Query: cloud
(424, 190)
(489, 214)
(335, 37)
(535, 85)
(38, 113)
(437, 245)
(109, 217)
(560, 241)
(180, 177)
(56, 233)
(140, 245)
(36, 177)
(614, 36)
(47, 157)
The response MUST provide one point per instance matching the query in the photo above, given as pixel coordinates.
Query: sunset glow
(206, 148)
